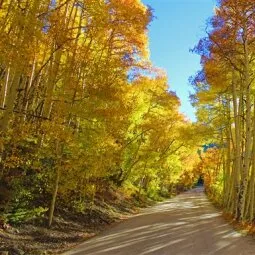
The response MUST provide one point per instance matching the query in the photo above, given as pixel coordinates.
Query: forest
(225, 103)
(83, 110)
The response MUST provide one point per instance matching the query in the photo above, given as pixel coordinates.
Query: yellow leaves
(57, 131)
(131, 12)
(206, 96)
(77, 116)
(13, 162)
(217, 75)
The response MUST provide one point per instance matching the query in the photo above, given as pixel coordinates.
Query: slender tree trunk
(54, 196)
(6, 86)
(248, 133)
(28, 90)
(237, 106)
(10, 101)
(56, 184)
(252, 177)
(227, 176)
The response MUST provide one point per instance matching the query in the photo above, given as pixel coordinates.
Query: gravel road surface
(185, 225)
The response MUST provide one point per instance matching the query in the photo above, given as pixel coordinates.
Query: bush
(22, 215)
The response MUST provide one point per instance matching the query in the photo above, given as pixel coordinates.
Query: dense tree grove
(81, 107)
(225, 101)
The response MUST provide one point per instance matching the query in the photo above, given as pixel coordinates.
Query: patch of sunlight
(208, 216)
(174, 205)
(104, 238)
(125, 244)
(191, 232)
(160, 246)
(201, 217)
(222, 232)
(222, 244)
(222, 225)
(233, 234)
(164, 225)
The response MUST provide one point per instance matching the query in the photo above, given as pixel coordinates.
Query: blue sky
(178, 26)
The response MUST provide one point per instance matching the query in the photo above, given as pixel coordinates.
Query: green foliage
(216, 192)
(24, 214)
(153, 190)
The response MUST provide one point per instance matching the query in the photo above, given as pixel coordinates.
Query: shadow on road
(187, 224)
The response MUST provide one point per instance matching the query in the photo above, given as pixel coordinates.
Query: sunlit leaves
(72, 119)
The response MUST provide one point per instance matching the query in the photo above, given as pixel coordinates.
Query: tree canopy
(82, 108)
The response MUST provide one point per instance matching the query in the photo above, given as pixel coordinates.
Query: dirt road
(185, 225)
